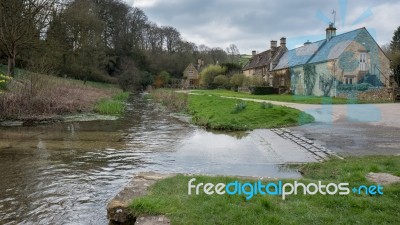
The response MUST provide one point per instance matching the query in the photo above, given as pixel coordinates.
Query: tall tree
(22, 22)
(395, 55)
(395, 43)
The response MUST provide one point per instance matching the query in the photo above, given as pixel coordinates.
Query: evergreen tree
(395, 44)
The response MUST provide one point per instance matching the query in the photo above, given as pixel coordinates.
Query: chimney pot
(330, 32)
(283, 42)
(253, 53)
(273, 44)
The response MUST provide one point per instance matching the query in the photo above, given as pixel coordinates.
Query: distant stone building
(263, 63)
(191, 75)
(350, 58)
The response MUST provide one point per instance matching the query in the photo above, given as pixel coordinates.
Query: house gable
(191, 72)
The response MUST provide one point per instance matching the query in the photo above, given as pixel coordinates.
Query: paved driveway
(359, 129)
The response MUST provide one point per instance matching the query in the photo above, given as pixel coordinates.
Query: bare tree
(233, 53)
(172, 38)
(22, 22)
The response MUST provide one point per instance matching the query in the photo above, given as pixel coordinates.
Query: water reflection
(65, 173)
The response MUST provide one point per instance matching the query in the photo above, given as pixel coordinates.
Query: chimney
(253, 53)
(273, 44)
(330, 32)
(307, 42)
(283, 42)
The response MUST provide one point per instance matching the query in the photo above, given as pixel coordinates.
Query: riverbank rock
(383, 178)
(118, 208)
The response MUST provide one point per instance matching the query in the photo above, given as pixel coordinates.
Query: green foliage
(232, 68)
(355, 87)
(216, 113)
(122, 97)
(4, 80)
(208, 74)
(240, 106)
(266, 105)
(395, 43)
(237, 79)
(113, 106)
(309, 77)
(134, 79)
(170, 197)
(257, 80)
(221, 80)
(162, 79)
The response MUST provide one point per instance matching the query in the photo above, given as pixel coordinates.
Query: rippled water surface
(65, 173)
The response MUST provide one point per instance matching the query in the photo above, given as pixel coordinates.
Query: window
(349, 80)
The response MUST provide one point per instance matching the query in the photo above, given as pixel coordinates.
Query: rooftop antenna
(334, 17)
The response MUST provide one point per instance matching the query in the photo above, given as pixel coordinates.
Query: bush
(222, 80)
(237, 79)
(209, 73)
(363, 86)
(4, 80)
(263, 90)
(240, 106)
(162, 79)
(355, 87)
(266, 105)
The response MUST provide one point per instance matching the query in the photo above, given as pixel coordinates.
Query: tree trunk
(11, 62)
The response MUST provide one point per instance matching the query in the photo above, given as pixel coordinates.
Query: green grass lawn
(281, 98)
(170, 197)
(230, 114)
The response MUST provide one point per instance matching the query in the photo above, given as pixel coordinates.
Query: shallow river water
(65, 173)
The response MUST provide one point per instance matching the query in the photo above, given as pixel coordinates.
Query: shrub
(222, 80)
(266, 105)
(4, 80)
(208, 74)
(358, 87)
(263, 90)
(363, 86)
(176, 102)
(240, 106)
(237, 80)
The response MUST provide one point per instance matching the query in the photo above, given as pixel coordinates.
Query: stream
(64, 173)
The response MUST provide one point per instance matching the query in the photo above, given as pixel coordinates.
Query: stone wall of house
(372, 94)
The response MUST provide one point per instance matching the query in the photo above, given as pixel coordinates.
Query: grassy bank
(283, 98)
(170, 197)
(229, 114)
(31, 96)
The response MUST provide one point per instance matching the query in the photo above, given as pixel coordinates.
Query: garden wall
(372, 94)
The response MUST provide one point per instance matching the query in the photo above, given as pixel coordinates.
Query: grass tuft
(113, 106)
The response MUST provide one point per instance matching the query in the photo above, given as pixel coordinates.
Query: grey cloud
(258, 21)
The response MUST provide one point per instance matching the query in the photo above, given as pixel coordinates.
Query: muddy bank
(84, 117)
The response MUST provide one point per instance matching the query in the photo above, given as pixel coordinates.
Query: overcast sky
(251, 24)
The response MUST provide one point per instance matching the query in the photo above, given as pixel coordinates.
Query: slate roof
(263, 58)
(318, 51)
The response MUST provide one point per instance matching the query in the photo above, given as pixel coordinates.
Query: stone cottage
(318, 68)
(191, 77)
(263, 63)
